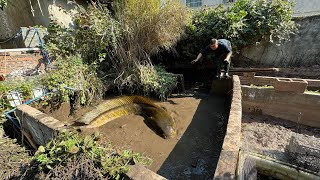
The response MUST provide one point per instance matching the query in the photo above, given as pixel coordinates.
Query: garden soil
(271, 136)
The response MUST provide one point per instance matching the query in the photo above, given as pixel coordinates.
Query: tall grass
(148, 27)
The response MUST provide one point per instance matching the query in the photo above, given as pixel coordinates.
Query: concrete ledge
(313, 84)
(300, 108)
(40, 126)
(227, 164)
(138, 172)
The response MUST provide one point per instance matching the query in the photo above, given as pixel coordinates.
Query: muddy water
(194, 153)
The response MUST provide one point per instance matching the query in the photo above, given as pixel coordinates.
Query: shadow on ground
(196, 154)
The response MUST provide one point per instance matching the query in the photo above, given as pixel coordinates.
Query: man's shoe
(226, 76)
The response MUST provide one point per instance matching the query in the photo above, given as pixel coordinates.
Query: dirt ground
(270, 136)
(63, 112)
(193, 154)
(13, 158)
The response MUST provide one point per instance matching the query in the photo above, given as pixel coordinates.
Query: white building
(199, 3)
(302, 7)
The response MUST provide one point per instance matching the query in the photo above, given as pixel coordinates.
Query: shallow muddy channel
(193, 154)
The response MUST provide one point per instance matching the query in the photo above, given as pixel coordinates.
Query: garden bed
(271, 137)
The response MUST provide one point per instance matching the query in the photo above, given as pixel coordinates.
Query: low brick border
(228, 160)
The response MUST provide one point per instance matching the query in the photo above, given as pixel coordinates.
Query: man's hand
(194, 61)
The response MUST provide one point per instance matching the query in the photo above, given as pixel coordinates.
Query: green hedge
(245, 23)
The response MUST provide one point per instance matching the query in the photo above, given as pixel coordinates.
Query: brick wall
(18, 61)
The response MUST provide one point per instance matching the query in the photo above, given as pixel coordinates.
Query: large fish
(154, 115)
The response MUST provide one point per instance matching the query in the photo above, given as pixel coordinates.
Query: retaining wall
(41, 127)
(228, 160)
(302, 108)
(301, 50)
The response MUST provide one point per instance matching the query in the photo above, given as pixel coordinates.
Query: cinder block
(290, 85)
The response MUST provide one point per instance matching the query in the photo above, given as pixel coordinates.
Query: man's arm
(197, 59)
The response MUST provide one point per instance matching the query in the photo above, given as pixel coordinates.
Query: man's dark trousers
(217, 66)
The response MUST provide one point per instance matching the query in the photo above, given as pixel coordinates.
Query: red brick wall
(12, 62)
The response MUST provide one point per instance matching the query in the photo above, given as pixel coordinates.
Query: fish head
(169, 130)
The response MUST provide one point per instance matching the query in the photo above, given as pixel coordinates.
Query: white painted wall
(18, 14)
(302, 7)
(209, 2)
(212, 2)
(307, 7)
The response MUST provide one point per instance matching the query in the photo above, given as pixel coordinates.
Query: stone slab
(40, 126)
(138, 172)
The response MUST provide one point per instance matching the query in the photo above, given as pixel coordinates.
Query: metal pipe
(19, 50)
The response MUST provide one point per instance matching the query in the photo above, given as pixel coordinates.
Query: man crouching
(223, 51)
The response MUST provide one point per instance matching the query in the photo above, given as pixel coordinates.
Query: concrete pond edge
(228, 160)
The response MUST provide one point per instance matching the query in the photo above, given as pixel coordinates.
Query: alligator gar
(113, 103)
(115, 108)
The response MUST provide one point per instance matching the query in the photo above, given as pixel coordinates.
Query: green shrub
(154, 79)
(72, 72)
(25, 87)
(69, 146)
(95, 30)
(245, 23)
(3, 4)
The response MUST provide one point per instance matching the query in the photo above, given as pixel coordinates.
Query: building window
(229, 1)
(193, 3)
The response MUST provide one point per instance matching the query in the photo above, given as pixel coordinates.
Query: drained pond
(192, 153)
